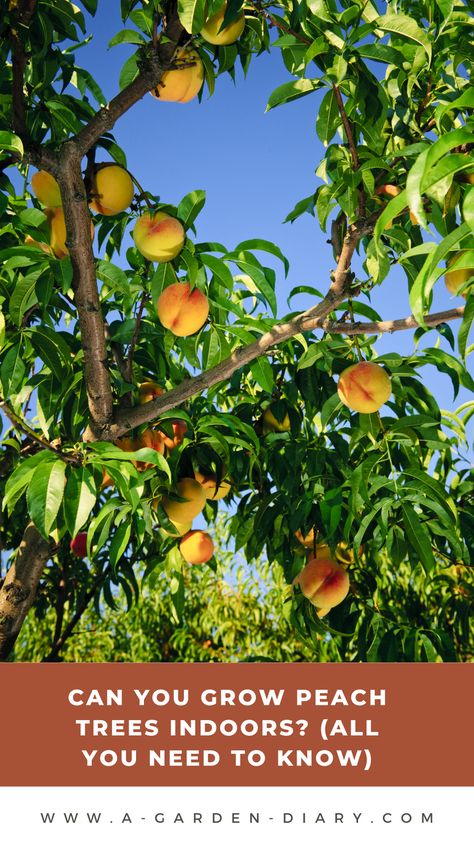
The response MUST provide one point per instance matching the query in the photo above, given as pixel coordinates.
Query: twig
(136, 332)
(59, 643)
(22, 425)
(391, 325)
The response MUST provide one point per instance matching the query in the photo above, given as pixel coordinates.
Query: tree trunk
(18, 590)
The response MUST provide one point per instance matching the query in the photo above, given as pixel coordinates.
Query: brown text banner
(236, 725)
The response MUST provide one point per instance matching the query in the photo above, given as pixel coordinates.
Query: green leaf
(468, 208)
(19, 480)
(264, 246)
(263, 373)
(129, 71)
(23, 297)
(10, 142)
(79, 498)
(127, 36)
(12, 370)
(328, 118)
(431, 270)
(119, 543)
(466, 326)
(190, 206)
(45, 493)
(113, 276)
(52, 349)
(292, 91)
(404, 27)
(192, 14)
(418, 536)
(220, 270)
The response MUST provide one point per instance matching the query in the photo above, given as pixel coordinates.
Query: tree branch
(84, 284)
(20, 424)
(148, 78)
(347, 128)
(18, 591)
(391, 325)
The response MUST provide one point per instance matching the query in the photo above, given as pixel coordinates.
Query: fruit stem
(142, 194)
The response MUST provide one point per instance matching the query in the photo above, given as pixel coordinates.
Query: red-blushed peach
(213, 490)
(194, 501)
(364, 387)
(182, 310)
(78, 545)
(46, 189)
(57, 228)
(456, 278)
(153, 439)
(272, 425)
(184, 81)
(159, 236)
(148, 391)
(197, 547)
(213, 34)
(323, 581)
(111, 190)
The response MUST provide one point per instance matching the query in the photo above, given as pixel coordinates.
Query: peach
(364, 387)
(184, 82)
(111, 190)
(29, 241)
(456, 278)
(181, 529)
(214, 34)
(272, 425)
(46, 189)
(148, 391)
(390, 190)
(197, 547)
(153, 439)
(179, 429)
(57, 226)
(182, 310)
(323, 581)
(213, 490)
(193, 503)
(79, 545)
(159, 237)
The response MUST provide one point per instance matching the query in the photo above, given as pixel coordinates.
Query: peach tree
(143, 381)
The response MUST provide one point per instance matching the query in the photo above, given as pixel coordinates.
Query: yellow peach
(111, 190)
(46, 189)
(159, 237)
(57, 226)
(180, 529)
(214, 491)
(272, 425)
(148, 391)
(213, 33)
(194, 501)
(184, 81)
(179, 429)
(197, 547)
(182, 310)
(364, 387)
(456, 278)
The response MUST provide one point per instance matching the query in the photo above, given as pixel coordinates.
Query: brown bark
(19, 587)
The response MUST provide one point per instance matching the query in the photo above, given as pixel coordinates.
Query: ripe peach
(456, 278)
(159, 237)
(197, 547)
(148, 391)
(111, 190)
(364, 387)
(46, 189)
(193, 503)
(78, 545)
(185, 81)
(57, 226)
(150, 439)
(323, 580)
(181, 529)
(213, 34)
(213, 490)
(182, 310)
(390, 190)
(272, 425)
(179, 429)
